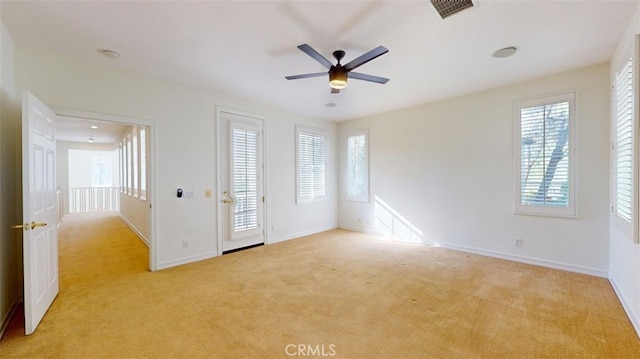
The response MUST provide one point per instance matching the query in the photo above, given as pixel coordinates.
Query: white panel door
(40, 240)
(241, 181)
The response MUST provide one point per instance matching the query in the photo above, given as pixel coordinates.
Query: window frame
(569, 211)
(349, 197)
(299, 129)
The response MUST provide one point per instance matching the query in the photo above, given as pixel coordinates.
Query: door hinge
(150, 205)
(613, 145)
(612, 209)
(262, 199)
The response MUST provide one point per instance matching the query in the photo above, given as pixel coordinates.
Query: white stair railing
(94, 199)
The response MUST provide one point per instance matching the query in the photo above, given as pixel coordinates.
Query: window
(120, 160)
(129, 166)
(134, 141)
(244, 178)
(143, 162)
(310, 155)
(623, 144)
(545, 169)
(358, 167)
(133, 163)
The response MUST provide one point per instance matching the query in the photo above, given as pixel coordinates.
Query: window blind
(544, 155)
(129, 165)
(357, 167)
(135, 154)
(311, 165)
(245, 179)
(143, 162)
(623, 165)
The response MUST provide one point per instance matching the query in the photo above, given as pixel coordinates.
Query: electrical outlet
(518, 242)
(185, 244)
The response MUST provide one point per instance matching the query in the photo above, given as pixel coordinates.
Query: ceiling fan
(338, 73)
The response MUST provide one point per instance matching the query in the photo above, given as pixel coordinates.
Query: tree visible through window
(545, 159)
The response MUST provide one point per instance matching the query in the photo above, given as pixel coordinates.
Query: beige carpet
(338, 293)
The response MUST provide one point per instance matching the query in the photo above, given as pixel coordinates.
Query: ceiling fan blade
(295, 77)
(316, 55)
(378, 51)
(335, 90)
(365, 77)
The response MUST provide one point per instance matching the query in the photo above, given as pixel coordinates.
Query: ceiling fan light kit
(338, 73)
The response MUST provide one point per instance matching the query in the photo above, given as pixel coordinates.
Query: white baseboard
(186, 260)
(360, 229)
(508, 256)
(135, 230)
(272, 240)
(8, 316)
(625, 305)
(529, 260)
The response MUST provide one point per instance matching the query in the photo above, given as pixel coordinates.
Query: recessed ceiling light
(91, 140)
(94, 127)
(109, 54)
(505, 52)
(330, 104)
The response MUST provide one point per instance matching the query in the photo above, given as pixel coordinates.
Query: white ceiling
(72, 129)
(246, 48)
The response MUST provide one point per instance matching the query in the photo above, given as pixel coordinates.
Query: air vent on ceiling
(447, 8)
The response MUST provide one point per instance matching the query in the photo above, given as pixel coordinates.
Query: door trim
(219, 134)
(152, 195)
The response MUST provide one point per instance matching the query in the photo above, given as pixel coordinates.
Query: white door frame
(151, 195)
(219, 169)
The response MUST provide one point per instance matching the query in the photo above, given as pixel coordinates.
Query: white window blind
(311, 158)
(129, 165)
(623, 146)
(545, 157)
(245, 179)
(143, 162)
(357, 167)
(121, 163)
(135, 154)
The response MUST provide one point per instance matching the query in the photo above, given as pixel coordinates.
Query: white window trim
(366, 197)
(315, 131)
(569, 211)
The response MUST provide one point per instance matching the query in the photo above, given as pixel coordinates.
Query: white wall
(447, 169)
(624, 255)
(137, 214)
(185, 150)
(10, 177)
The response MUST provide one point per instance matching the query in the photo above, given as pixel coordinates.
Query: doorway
(131, 142)
(241, 184)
